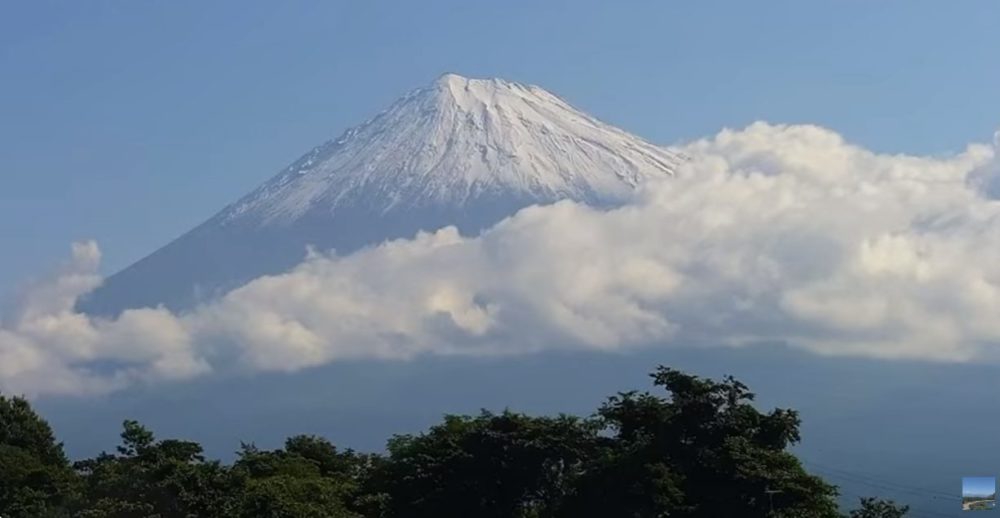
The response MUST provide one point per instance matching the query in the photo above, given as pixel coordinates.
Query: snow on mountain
(459, 151)
(455, 141)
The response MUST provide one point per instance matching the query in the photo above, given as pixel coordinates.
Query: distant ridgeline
(698, 450)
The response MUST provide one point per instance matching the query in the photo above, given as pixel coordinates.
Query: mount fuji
(463, 152)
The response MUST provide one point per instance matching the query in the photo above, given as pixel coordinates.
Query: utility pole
(770, 497)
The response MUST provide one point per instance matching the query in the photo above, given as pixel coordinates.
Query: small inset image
(979, 493)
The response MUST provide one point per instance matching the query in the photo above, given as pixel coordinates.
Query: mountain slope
(459, 151)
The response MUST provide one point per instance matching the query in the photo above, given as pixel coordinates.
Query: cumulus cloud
(771, 233)
(48, 348)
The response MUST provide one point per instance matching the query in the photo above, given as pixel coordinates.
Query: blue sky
(132, 122)
(973, 486)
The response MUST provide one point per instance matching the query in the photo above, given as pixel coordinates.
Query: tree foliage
(877, 508)
(35, 476)
(491, 465)
(147, 478)
(697, 448)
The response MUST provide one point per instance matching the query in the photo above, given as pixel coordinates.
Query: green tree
(36, 480)
(876, 508)
(703, 450)
(492, 465)
(308, 479)
(149, 478)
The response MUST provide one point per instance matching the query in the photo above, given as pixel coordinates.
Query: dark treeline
(697, 448)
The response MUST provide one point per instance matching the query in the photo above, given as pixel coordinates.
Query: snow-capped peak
(453, 142)
(462, 152)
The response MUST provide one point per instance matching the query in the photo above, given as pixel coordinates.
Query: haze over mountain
(463, 152)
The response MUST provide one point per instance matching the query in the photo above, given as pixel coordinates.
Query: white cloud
(769, 233)
(48, 348)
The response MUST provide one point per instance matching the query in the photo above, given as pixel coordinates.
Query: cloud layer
(771, 233)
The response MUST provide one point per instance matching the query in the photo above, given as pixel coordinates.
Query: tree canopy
(696, 448)
(35, 476)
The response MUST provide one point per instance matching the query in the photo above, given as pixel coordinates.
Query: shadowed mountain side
(211, 260)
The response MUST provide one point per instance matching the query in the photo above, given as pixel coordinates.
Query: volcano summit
(463, 152)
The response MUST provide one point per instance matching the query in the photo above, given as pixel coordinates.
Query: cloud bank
(771, 233)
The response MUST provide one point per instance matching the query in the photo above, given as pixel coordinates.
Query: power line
(896, 486)
(916, 512)
(883, 484)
